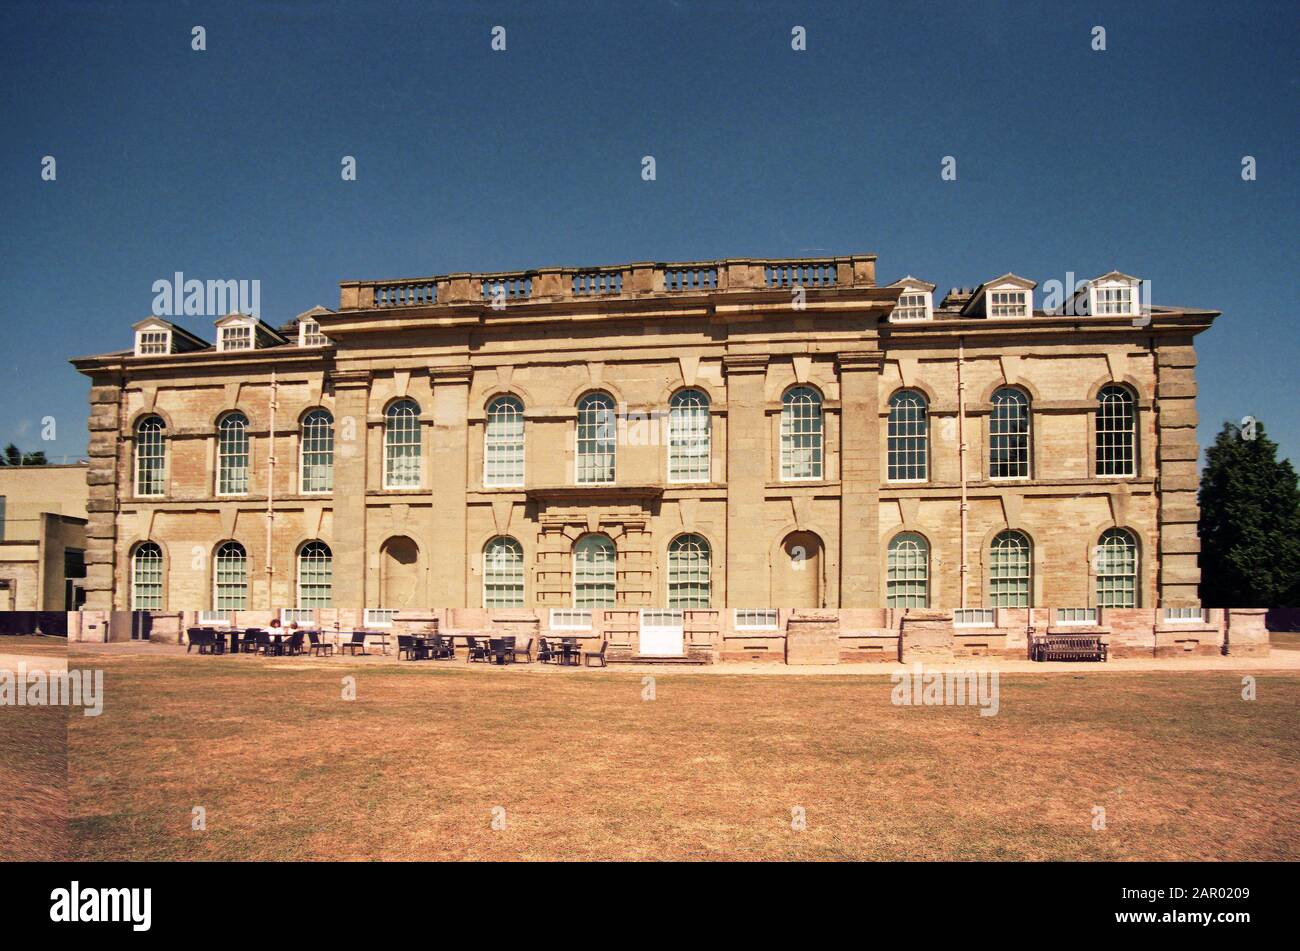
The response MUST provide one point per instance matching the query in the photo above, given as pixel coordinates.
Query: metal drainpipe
(961, 458)
(270, 496)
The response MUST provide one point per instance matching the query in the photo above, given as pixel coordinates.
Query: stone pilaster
(351, 405)
(860, 478)
(1176, 453)
(103, 478)
(449, 467)
(748, 462)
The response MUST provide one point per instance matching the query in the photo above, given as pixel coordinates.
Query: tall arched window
(597, 438)
(1009, 435)
(908, 576)
(232, 454)
(688, 572)
(801, 433)
(1116, 563)
(594, 572)
(688, 437)
(503, 573)
(503, 442)
(315, 576)
(316, 460)
(402, 445)
(908, 437)
(1116, 432)
(1010, 564)
(147, 577)
(150, 456)
(230, 578)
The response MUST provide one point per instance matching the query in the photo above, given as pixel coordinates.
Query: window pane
(597, 437)
(1116, 431)
(801, 434)
(1009, 435)
(231, 578)
(318, 452)
(908, 575)
(402, 445)
(688, 437)
(150, 456)
(315, 576)
(147, 578)
(594, 572)
(1117, 569)
(232, 455)
(1009, 571)
(503, 447)
(908, 438)
(503, 574)
(688, 572)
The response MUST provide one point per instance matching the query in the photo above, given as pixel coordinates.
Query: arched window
(150, 456)
(503, 442)
(315, 576)
(402, 445)
(232, 455)
(1116, 562)
(147, 577)
(503, 573)
(594, 572)
(1009, 435)
(801, 433)
(597, 438)
(908, 575)
(230, 578)
(316, 460)
(688, 437)
(1010, 564)
(688, 572)
(1116, 432)
(909, 437)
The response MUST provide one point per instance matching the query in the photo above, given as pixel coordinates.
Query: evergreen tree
(1250, 523)
(14, 457)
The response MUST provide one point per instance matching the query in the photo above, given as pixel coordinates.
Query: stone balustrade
(611, 281)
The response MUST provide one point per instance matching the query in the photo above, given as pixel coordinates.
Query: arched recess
(797, 571)
(400, 572)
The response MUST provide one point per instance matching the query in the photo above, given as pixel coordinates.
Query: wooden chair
(590, 656)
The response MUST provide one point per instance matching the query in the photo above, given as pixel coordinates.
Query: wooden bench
(1069, 647)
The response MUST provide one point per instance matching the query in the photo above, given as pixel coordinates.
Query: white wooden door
(662, 633)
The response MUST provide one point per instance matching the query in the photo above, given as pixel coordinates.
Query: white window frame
(217, 586)
(993, 305)
(247, 454)
(216, 617)
(790, 434)
(1028, 434)
(1077, 616)
(595, 444)
(496, 574)
(613, 571)
(690, 456)
(378, 617)
(694, 555)
(570, 619)
(307, 337)
(974, 617)
(1098, 289)
(145, 344)
(1179, 616)
(162, 455)
(301, 616)
(389, 484)
(503, 444)
(298, 565)
(136, 583)
(924, 436)
(244, 333)
(755, 619)
(304, 434)
(904, 311)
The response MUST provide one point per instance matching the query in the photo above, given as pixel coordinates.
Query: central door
(662, 633)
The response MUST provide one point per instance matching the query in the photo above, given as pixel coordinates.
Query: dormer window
(1114, 295)
(1008, 303)
(237, 337)
(916, 302)
(151, 343)
(309, 334)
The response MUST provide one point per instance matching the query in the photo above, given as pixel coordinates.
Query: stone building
(731, 434)
(42, 537)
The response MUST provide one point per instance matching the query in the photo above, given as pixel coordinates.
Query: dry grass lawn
(586, 769)
(33, 763)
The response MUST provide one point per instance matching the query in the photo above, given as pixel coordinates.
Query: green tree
(14, 457)
(1250, 522)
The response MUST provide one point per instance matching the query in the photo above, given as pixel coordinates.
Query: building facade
(731, 434)
(42, 537)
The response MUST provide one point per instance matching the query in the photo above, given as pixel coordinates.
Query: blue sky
(225, 163)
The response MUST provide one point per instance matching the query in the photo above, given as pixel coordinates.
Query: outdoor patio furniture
(526, 651)
(596, 658)
(1068, 647)
(545, 652)
(501, 653)
(251, 641)
(319, 647)
(410, 646)
(199, 637)
(294, 645)
(356, 645)
(570, 652)
(475, 651)
(442, 648)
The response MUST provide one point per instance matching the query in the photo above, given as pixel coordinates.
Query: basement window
(973, 617)
(748, 619)
(1184, 615)
(1076, 615)
(378, 617)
